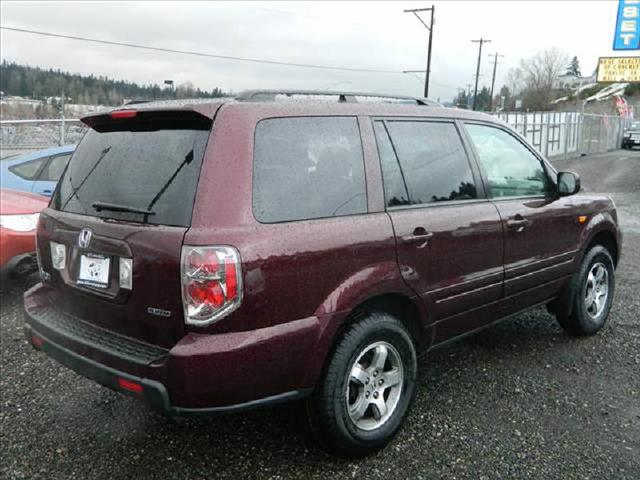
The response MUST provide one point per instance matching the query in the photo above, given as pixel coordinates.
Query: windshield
(141, 174)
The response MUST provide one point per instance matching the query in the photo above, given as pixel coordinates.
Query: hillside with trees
(40, 84)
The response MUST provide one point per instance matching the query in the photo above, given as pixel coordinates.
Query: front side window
(432, 162)
(511, 169)
(308, 167)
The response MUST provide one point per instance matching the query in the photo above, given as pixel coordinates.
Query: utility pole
(430, 28)
(493, 78)
(475, 91)
(61, 138)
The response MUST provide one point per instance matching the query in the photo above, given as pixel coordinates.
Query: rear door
(541, 229)
(449, 237)
(126, 196)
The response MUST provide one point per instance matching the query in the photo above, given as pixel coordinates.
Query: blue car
(36, 172)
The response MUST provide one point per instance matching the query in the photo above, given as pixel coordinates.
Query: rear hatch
(125, 202)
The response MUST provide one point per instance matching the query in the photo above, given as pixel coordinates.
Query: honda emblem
(84, 238)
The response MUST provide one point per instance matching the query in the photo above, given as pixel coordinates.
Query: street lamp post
(171, 85)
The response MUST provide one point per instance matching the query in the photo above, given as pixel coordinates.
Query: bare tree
(515, 81)
(186, 90)
(541, 72)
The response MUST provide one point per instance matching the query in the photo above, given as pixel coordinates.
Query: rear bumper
(200, 375)
(152, 392)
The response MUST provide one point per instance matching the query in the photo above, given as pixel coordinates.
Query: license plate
(94, 270)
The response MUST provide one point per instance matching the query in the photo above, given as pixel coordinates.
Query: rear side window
(53, 171)
(308, 167)
(433, 165)
(28, 170)
(395, 185)
(140, 171)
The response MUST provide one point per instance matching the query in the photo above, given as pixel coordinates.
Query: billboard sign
(618, 69)
(627, 34)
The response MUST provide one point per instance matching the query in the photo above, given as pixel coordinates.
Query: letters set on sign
(627, 36)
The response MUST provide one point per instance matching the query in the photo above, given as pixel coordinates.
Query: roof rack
(343, 97)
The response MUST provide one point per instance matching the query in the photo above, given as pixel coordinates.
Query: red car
(216, 256)
(19, 212)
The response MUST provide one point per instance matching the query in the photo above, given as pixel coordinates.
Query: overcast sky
(370, 35)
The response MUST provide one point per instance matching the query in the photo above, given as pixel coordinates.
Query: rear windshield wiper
(120, 208)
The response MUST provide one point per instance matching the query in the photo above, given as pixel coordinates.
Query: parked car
(631, 136)
(220, 256)
(36, 172)
(19, 212)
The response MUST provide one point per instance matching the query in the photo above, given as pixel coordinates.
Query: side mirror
(568, 183)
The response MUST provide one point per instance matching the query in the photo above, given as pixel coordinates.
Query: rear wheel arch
(398, 305)
(405, 308)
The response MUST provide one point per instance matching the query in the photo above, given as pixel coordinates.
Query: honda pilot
(215, 256)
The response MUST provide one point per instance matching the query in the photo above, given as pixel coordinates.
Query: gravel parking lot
(519, 400)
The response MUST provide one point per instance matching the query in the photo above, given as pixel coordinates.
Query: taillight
(211, 283)
(58, 255)
(126, 273)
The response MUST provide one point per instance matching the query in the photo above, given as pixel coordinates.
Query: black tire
(327, 408)
(582, 321)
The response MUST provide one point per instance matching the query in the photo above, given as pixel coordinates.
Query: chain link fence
(22, 136)
(567, 134)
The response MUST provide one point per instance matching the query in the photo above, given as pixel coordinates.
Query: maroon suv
(209, 257)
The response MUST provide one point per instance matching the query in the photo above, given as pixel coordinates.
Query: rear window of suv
(308, 167)
(142, 170)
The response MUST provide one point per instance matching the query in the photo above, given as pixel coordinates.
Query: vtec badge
(159, 312)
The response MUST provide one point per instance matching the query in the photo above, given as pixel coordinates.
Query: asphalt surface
(519, 400)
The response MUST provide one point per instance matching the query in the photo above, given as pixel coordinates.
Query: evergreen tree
(461, 100)
(40, 84)
(574, 67)
(483, 102)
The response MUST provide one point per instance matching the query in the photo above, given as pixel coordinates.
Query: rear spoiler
(143, 118)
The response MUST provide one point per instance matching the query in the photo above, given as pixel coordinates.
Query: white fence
(567, 134)
(555, 134)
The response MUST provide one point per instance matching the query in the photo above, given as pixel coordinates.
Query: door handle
(518, 223)
(419, 235)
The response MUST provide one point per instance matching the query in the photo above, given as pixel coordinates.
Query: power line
(201, 54)
(440, 84)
